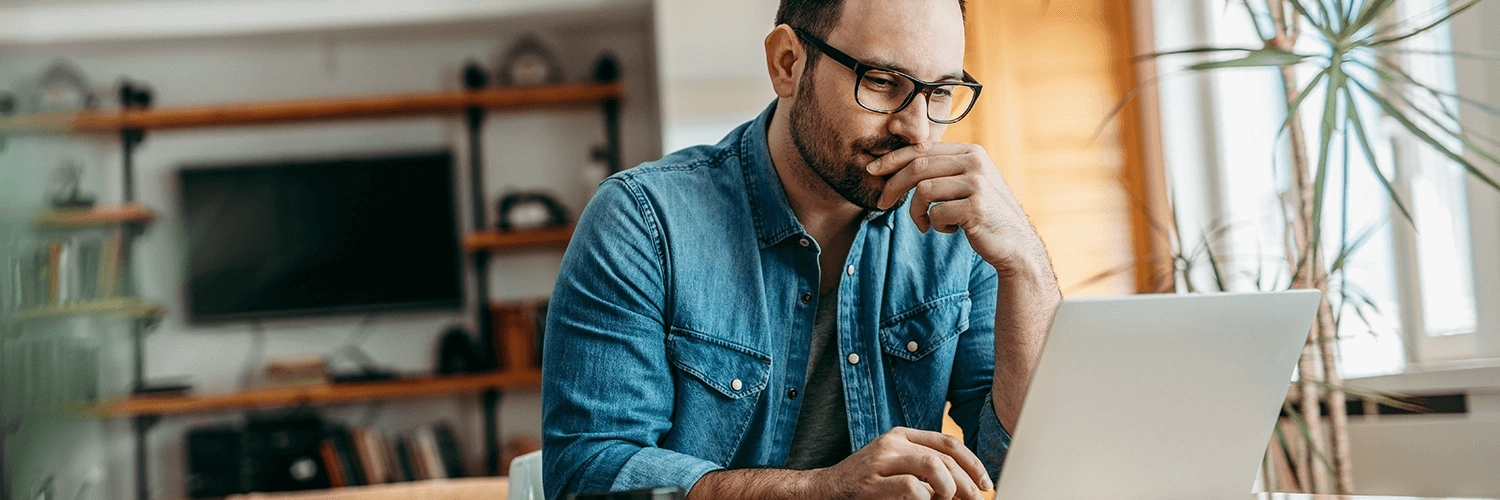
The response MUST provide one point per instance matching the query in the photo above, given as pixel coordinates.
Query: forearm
(1027, 300)
(754, 484)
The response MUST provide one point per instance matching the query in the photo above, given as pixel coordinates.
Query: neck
(824, 213)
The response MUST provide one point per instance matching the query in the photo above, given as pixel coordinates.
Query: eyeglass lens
(884, 91)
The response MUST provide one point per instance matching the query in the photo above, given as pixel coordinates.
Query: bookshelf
(471, 106)
(129, 213)
(320, 394)
(516, 241)
(126, 307)
(404, 105)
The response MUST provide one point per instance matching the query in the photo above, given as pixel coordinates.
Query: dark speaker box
(213, 462)
(282, 454)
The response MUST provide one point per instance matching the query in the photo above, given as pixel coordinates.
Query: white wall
(712, 66)
(534, 149)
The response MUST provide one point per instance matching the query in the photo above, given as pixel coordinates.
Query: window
(1410, 287)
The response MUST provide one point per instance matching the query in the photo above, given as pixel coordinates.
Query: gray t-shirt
(822, 435)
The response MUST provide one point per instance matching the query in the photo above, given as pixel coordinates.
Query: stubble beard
(815, 134)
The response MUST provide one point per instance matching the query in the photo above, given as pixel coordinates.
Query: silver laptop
(1156, 396)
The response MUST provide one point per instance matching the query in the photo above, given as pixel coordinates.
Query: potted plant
(1352, 69)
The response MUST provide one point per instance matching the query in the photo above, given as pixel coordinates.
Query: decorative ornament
(63, 87)
(69, 194)
(531, 210)
(527, 63)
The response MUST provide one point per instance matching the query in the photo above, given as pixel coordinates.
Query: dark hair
(816, 17)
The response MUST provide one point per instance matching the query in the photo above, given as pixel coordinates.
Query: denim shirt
(682, 319)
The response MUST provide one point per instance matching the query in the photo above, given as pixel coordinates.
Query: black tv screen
(317, 237)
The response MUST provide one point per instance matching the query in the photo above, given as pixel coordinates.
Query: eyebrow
(887, 64)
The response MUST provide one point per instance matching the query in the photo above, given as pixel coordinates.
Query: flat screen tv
(317, 237)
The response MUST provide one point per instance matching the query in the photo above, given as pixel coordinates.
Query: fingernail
(870, 168)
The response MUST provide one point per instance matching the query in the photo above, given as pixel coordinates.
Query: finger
(951, 216)
(897, 159)
(952, 447)
(916, 171)
(930, 191)
(935, 471)
(903, 486)
(921, 462)
(966, 489)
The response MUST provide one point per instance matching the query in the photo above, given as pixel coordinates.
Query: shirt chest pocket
(919, 348)
(717, 383)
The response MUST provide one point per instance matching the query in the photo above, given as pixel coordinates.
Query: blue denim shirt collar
(774, 219)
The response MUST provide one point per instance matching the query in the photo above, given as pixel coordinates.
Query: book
(54, 272)
(371, 465)
(404, 460)
(109, 265)
(447, 444)
(331, 463)
(87, 260)
(392, 462)
(418, 459)
(343, 445)
(427, 452)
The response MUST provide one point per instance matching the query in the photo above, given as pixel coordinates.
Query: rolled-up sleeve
(969, 389)
(607, 389)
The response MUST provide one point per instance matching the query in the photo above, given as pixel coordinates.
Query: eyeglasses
(889, 91)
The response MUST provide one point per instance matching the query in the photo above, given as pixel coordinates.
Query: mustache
(880, 146)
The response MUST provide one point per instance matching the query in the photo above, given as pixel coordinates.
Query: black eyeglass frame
(919, 87)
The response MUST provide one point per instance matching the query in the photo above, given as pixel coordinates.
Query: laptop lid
(1156, 396)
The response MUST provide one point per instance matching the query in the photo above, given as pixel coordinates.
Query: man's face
(837, 137)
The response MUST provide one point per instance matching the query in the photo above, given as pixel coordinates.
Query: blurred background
(217, 218)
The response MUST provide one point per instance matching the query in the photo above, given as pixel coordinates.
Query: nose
(911, 123)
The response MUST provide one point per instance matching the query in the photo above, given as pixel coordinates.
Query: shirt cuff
(994, 440)
(656, 467)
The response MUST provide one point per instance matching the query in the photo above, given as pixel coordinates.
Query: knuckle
(912, 486)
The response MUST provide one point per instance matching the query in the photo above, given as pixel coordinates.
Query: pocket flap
(914, 333)
(733, 370)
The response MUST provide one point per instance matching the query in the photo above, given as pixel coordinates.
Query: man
(785, 314)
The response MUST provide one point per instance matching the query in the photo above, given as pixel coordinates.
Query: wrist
(1026, 275)
(816, 483)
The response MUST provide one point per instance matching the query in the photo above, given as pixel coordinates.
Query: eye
(941, 94)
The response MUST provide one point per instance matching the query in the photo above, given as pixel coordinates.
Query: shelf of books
(322, 393)
(359, 456)
(78, 265)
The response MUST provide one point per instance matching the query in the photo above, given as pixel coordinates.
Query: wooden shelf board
(320, 394)
(121, 306)
(98, 216)
(345, 108)
(518, 240)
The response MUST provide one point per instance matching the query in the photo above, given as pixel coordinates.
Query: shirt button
(804, 242)
(791, 393)
(736, 385)
(851, 270)
(853, 358)
(911, 346)
(806, 297)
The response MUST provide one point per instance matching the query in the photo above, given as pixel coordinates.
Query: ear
(785, 60)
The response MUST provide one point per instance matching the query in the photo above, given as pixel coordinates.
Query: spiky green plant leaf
(1256, 58)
